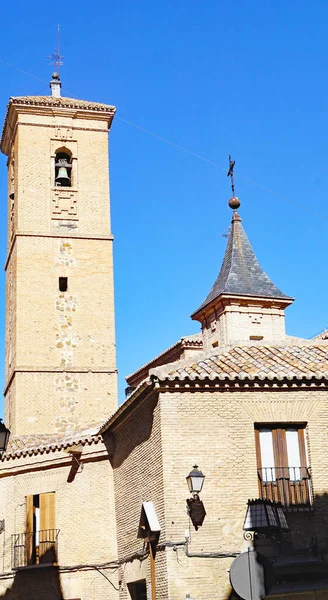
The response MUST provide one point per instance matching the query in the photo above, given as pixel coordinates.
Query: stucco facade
(85, 551)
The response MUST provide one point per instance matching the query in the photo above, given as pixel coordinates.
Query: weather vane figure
(55, 57)
(230, 174)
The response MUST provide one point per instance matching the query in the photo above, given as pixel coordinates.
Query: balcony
(36, 548)
(292, 486)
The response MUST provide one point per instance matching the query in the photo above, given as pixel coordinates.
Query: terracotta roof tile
(269, 362)
(24, 445)
(61, 101)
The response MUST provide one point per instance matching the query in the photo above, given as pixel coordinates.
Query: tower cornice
(51, 106)
(219, 304)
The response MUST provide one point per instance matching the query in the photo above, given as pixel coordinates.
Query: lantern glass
(4, 436)
(280, 516)
(195, 480)
(260, 516)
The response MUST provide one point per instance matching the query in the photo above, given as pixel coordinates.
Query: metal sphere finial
(234, 203)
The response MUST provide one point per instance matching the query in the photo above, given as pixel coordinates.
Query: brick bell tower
(60, 338)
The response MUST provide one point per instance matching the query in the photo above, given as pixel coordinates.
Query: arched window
(63, 168)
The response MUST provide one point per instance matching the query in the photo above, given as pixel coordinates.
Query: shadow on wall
(136, 431)
(309, 529)
(38, 583)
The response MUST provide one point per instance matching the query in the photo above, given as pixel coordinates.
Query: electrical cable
(22, 71)
(190, 152)
(112, 584)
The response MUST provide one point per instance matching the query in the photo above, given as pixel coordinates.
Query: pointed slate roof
(241, 273)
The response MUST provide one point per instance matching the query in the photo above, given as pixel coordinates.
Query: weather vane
(230, 173)
(55, 57)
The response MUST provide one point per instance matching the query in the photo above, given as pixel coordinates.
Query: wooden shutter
(29, 530)
(47, 511)
(47, 539)
(280, 451)
(301, 443)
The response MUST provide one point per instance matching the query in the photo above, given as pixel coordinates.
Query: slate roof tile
(241, 273)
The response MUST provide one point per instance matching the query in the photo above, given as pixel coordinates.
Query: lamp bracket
(276, 536)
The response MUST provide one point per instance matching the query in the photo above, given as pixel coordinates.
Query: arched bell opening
(63, 168)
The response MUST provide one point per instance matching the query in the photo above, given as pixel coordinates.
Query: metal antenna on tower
(55, 57)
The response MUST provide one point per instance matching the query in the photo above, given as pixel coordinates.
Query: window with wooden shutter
(283, 470)
(41, 533)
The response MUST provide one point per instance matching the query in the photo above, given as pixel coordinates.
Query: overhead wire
(214, 164)
(22, 71)
(190, 152)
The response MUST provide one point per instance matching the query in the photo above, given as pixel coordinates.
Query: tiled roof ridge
(262, 358)
(63, 101)
(306, 360)
(52, 445)
(241, 274)
(194, 339)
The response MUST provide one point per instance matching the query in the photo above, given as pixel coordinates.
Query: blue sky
(246, 78)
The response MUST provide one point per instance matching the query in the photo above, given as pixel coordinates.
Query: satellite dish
(251, 575)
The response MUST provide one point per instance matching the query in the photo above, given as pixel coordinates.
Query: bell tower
(60, 337)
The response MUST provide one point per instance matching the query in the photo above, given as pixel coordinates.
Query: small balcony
(292, 486)
(36, 548)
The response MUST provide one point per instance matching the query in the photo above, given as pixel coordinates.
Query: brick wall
(215, 430)
(85, 516)
(60, 345)
(240, 322)
(138, 477)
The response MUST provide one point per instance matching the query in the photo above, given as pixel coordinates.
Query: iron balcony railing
(37, 547)
(292, 486)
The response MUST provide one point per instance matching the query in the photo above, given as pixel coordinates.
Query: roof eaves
(284, 300)
(147, 384)
(50, 447)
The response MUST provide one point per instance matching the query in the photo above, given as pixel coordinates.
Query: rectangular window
(283, 470)
(63, 284)
(41, 533)
(138, 590)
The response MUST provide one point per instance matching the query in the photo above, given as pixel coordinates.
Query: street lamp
(195, 507)
(260, 516)
(4, 437)
(195, 481)
(265, 519)
(280, 516)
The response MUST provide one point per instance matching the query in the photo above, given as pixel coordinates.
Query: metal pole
(152, 572)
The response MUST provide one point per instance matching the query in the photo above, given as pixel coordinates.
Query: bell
(62, 177)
